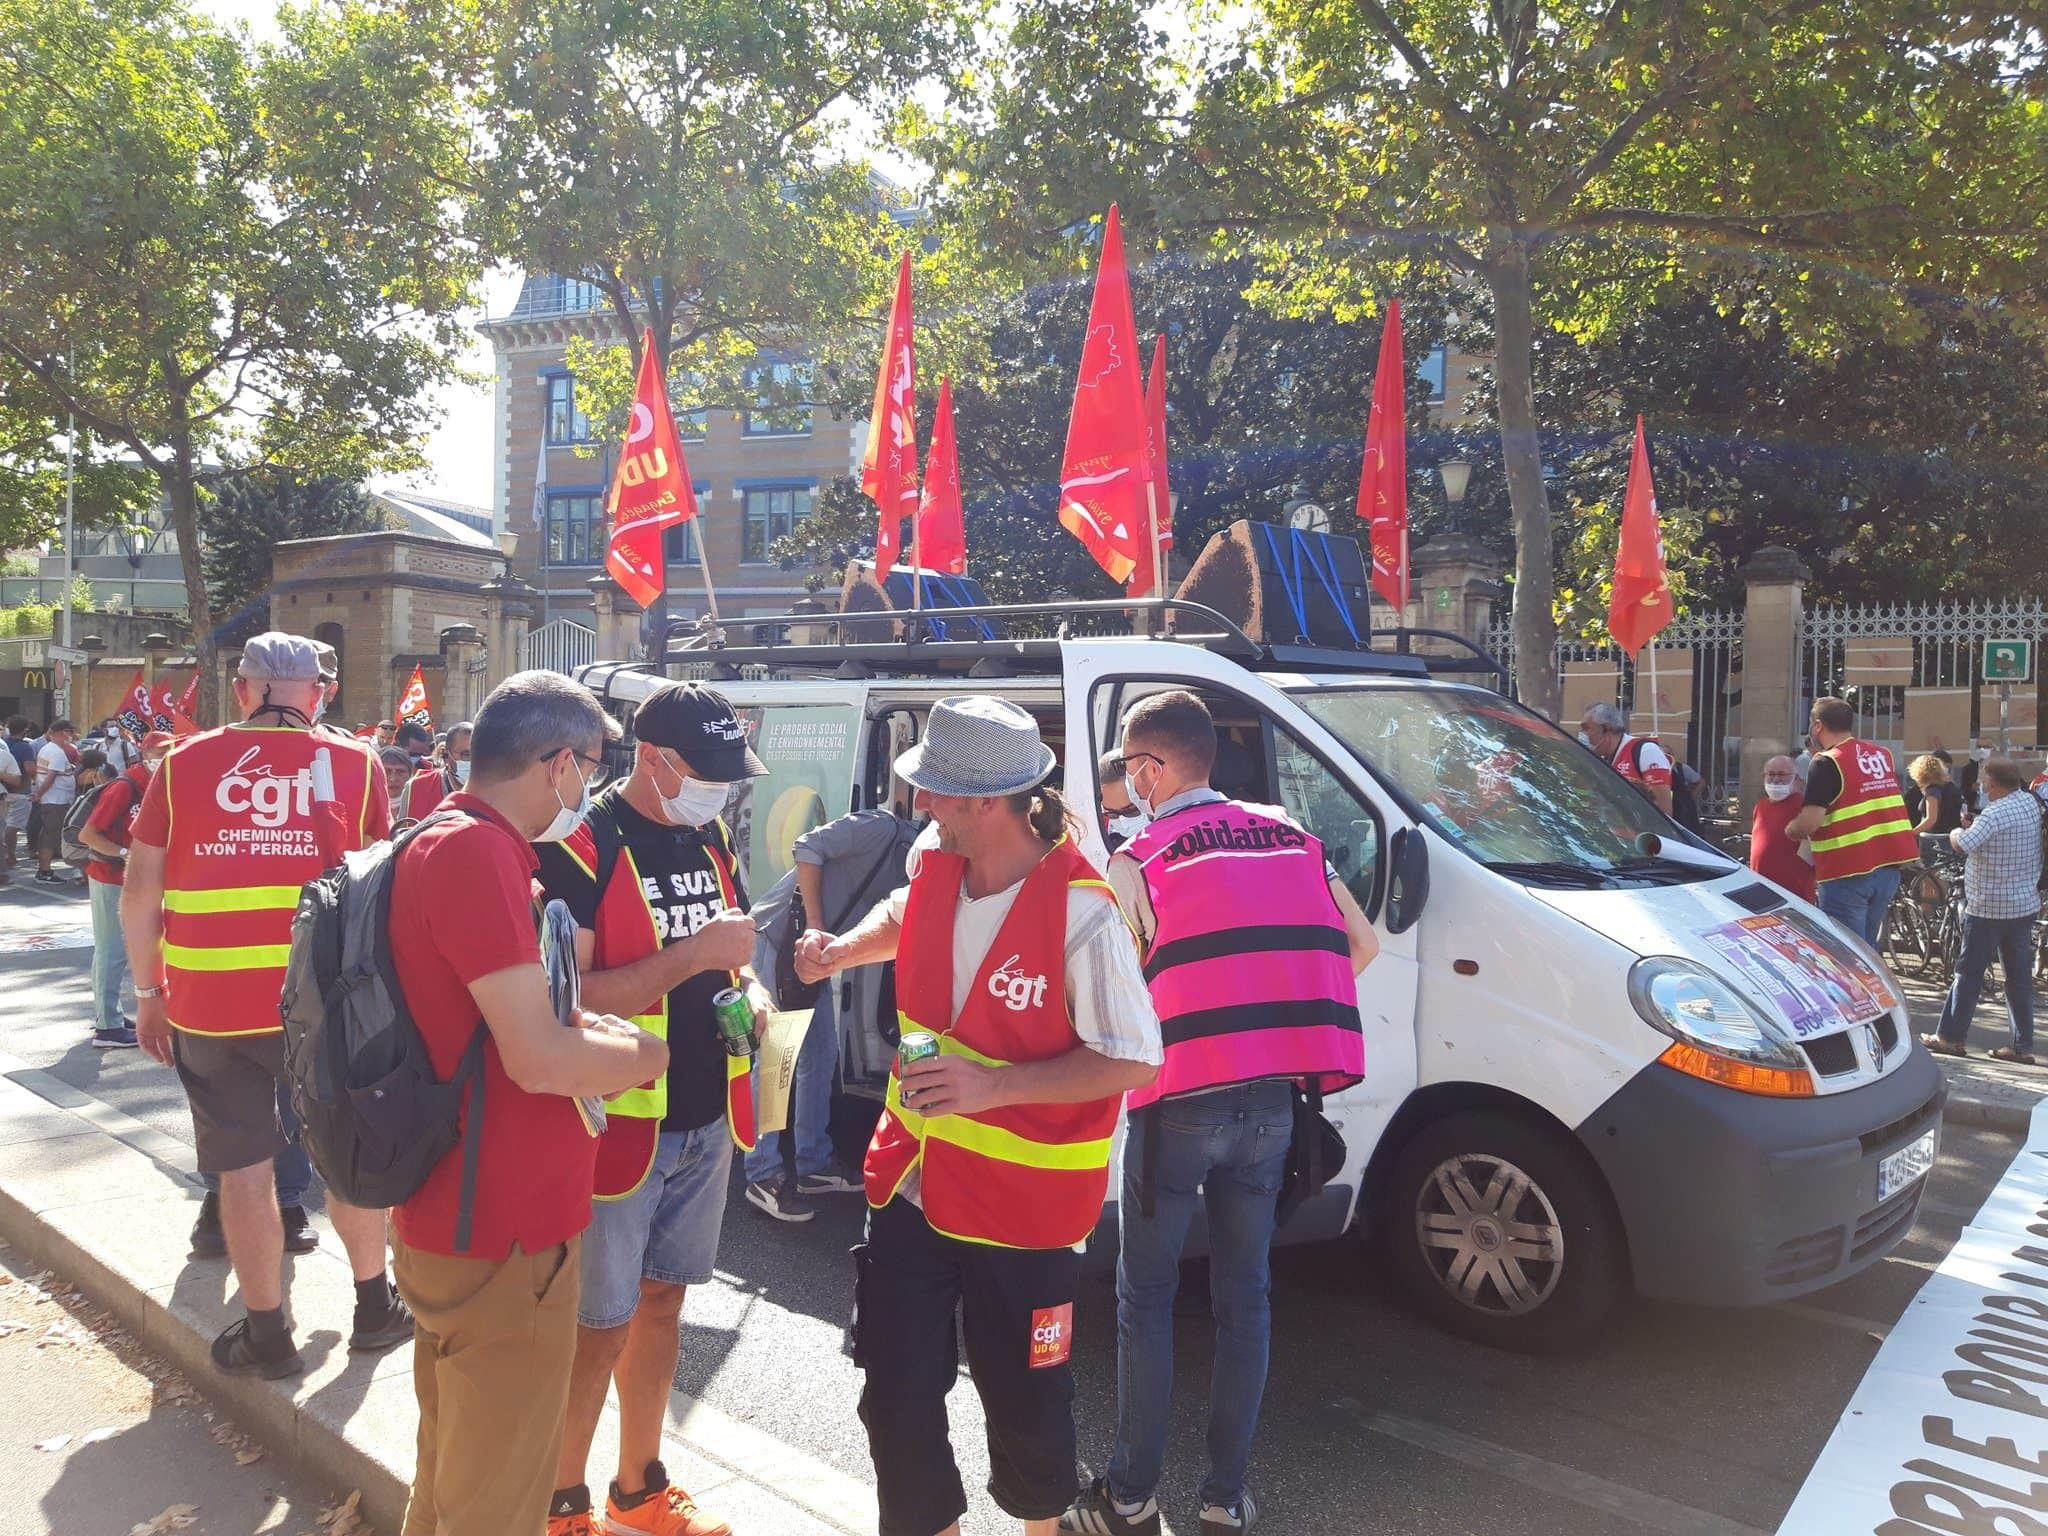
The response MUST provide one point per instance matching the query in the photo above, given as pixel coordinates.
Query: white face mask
(461, 770)
(1778, 791)
(1586, 741)
(1131, 788)
(1128, 827)
(568, 818)
(1980, 754)
(695, 803)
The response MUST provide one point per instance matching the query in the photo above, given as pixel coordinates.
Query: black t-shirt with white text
(682, 886)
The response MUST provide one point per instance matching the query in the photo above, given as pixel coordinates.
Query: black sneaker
(50, 877)
(299, 1236)
(122, 1039)
(830, 1180)
(237, 1352)
(1230, 1519)
(778, 1197)
(208, 1241)
(1095, 1513)
(382, 1330)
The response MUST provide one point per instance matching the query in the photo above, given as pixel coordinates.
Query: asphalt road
(1679, 1420)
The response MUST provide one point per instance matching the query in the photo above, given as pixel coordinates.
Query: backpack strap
(470, 1070)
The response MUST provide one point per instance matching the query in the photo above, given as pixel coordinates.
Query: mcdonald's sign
(32, 680)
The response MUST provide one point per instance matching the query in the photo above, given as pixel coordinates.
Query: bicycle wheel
(1904, 941)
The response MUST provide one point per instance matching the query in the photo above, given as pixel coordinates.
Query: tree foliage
(246, 516)
(221, 254)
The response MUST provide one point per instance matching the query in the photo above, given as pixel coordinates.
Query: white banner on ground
(1948, 1430)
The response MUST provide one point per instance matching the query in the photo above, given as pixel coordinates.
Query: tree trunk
(181, 484)
(1506, 272)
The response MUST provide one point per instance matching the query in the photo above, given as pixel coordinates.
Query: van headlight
(1718, 1036)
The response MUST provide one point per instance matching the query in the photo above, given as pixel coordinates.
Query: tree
(1568, 161)
(245, 518)
(1259, 406)
(221, 255)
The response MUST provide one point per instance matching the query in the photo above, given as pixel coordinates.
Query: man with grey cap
(991, 1161)
(217, 854)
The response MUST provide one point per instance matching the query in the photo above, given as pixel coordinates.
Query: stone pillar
(462, 647)
(508, 611)
(618, 619)
(1455, 586)
(93, 646)
(1775, 603)
(155, 648)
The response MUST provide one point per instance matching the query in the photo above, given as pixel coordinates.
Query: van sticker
(1809, 986)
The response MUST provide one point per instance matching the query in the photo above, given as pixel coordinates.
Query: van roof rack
(1018, 639)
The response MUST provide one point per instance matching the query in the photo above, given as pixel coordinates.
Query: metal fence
(560, 646)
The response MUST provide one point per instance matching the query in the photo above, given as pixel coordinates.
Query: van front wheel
(1501, 1232)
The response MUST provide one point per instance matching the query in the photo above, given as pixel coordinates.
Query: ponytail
(1047, 811)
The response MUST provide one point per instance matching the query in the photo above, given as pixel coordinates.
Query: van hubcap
(1489, 1235)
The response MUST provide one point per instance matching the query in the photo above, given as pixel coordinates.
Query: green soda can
(918, 1045)
(735, 1015)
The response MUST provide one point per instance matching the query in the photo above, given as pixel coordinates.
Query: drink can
(735, 1015)
(918, 1045)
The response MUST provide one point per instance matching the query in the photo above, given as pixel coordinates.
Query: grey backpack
(376, 1119)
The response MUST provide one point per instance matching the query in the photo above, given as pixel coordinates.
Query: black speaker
(1284, 586)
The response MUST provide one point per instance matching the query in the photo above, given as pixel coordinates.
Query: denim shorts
(665, 1230)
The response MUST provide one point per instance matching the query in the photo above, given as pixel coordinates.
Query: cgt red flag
(1383, 477)
(1155, 466)
(650, 490)
(941, 524)
(186, 712)
(1105, 476)
(1642, 603)
(888, 469)
(412, 704)
(163, 705)
(137, 717)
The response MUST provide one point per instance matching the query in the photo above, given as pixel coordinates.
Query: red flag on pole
(163, 705)
(888, 469)
(650, 490)
(1641, 604)
(1383, 478)
(1155, 465)
(941, 525)
(187, 712)
(1104, 478)
(136, 715)
(412, 704)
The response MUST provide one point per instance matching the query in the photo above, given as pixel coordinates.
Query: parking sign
(2008, 661)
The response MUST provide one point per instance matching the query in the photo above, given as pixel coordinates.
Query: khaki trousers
(491, 1370)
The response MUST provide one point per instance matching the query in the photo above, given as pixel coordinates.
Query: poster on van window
(809, 751)
(1810, 988)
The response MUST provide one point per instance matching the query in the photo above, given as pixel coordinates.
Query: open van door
(1279, 754)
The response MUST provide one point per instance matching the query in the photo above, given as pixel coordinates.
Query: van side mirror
(1408, 883)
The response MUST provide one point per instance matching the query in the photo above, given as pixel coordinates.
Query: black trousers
(909, 1284)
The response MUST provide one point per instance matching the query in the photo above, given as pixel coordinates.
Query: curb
(1989, 1115)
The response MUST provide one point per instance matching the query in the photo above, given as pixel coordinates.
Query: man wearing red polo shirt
(491, 1274)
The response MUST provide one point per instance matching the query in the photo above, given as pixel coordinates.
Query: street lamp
(1457, 475)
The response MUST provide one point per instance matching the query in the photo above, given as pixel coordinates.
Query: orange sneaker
(581, 1523)
(663, 1510)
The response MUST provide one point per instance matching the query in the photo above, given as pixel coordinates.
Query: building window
(1433, 371)
(579, 294)
(575, 528)
(680, 542)
(565, 423)
(778, 390)
(772, 513)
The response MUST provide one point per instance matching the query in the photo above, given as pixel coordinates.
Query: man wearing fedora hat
(991, 1160)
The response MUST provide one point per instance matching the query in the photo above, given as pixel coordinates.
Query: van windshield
(1503, 784)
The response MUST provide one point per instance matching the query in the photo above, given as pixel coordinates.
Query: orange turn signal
(1775, 1082)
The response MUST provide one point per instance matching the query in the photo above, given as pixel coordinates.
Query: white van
(1588, 1069)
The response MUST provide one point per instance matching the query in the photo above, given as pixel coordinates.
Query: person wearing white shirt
(55, 788)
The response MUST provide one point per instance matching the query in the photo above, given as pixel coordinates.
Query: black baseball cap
(696, 723)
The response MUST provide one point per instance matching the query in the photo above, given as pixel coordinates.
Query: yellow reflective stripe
(948, 1044)
(1007, 1146)
(1861, 835)
(656, 1024)
(249, 898)
(230, 957)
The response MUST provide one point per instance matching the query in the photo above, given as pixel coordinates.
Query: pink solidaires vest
(1250, 966)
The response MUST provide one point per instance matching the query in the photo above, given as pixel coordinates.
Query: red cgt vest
(423, 791)
(1025, 1176)
(626, 931)
(240, 848)
(1867, 827)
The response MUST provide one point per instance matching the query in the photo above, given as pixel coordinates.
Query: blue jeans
(811, 1100)
(1227, 1149)
(1858, 902)
(2012, 940)
(666, 1230)
(110, 975)
(294, 1170)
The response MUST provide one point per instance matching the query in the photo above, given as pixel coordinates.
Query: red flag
(941, 525)
(186, 713)
(650, 490)
(1642, 603)
(412, 704)
(1155, 466)
(1383, 478)
(136, 716)
(163, 703)
(888, 469)
(1104, 477)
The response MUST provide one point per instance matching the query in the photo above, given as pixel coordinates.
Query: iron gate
(562, 646)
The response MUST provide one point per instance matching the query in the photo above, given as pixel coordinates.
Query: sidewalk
(1993, 1095)
(106, 1203)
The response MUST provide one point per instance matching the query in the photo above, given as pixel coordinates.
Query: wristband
(155, 991)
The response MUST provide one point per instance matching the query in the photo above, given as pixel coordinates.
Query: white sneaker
(1219, 1520)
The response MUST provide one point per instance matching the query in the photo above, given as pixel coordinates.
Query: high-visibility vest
(1867, 827)
(1022, 1176)
(240, 847)
(1250, 963)
(627, 931)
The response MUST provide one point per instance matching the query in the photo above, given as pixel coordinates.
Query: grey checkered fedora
(975, 746)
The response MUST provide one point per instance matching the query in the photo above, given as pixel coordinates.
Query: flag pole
(1655, 732)
(1158, 568)
(703, 565)
(916, 565)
